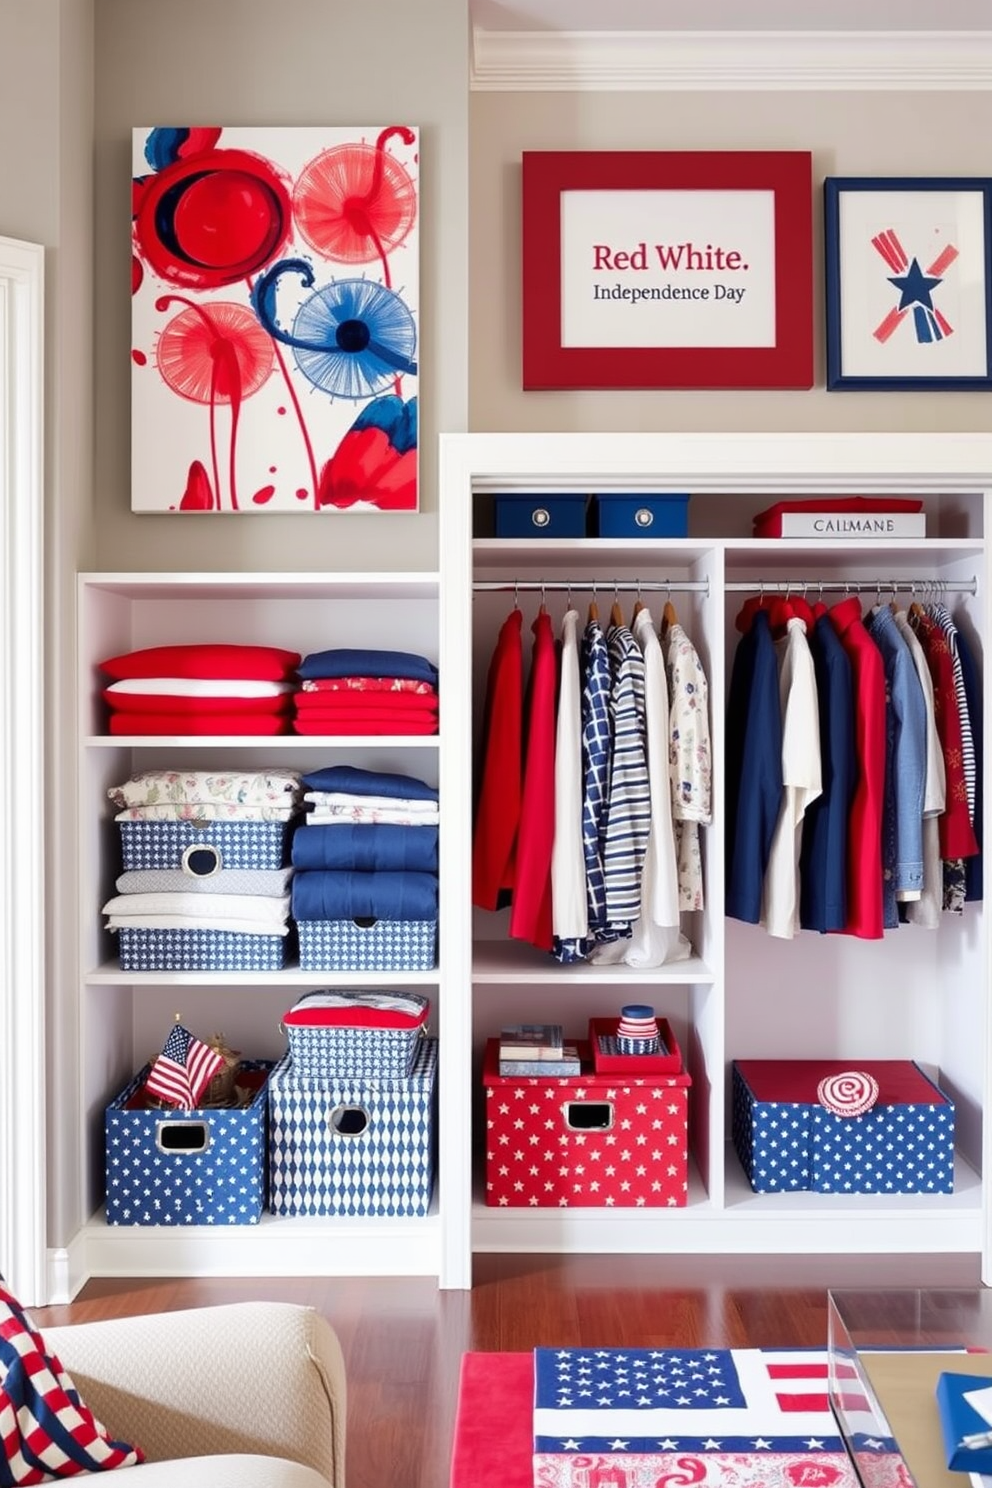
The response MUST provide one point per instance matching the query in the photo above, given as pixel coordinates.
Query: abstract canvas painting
(275, 319)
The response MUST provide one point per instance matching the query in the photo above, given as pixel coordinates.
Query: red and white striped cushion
(46, 1431)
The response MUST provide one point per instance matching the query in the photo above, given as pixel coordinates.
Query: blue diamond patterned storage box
(357, 945)
(351, 1146)
(187, 1167)
(227, 844)
(199, 950)
(787, 1140)
(370, 1034)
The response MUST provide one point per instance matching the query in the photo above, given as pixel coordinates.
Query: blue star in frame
(915, 287)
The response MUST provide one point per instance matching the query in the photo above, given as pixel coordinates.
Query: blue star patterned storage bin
(786, 1140)
(231, 844)
(359, 945)
(353, 1146)
(203, 1167)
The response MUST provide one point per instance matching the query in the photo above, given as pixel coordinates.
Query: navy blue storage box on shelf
(640, 515)
(344, 1145)
(172, 1167)
(541, 516)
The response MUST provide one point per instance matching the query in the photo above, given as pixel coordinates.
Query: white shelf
(307, 743)
(513, 961)
(276, 1246)
(110, 974)
(278, 586)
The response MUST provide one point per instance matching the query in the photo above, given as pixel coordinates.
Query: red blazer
(864, 842)
(497, 814)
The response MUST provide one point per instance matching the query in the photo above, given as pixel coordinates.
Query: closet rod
(608, 586)
(859, 586)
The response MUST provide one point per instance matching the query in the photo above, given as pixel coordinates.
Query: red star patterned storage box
(787, 1140)
(593, 1141)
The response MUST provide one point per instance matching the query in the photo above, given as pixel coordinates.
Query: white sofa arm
(264, 1377)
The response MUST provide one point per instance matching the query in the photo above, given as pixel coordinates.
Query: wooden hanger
(668, 615)
(638, 604)
(616, 613)
(593, 606)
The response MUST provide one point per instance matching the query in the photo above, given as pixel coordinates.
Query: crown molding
(730, 61)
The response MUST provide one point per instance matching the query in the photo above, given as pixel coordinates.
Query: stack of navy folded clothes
(361, 691)
(365, 885)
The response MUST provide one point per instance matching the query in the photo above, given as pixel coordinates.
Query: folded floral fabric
(359, 815)
(354, 702)
(268, 882)
(345, 895)
(404, 685)
(412, 805)
(192, 707)
(202, 811)
(366, 847)
(262, 910)
(329, 727)
(193, 922)
(197, 687)
(271, 787)
(359, 782)
(358, 662)
(199, 724)
(264, 663)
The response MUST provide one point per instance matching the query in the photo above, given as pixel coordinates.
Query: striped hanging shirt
(628, 814)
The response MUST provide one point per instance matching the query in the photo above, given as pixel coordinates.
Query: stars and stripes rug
(637, 1418)
(510, 1433)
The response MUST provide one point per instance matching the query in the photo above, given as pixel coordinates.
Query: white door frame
(22, 774)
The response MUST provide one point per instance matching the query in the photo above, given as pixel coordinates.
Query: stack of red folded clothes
(201, 689)
(352, 690)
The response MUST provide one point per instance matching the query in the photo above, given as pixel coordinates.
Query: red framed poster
(661, 269)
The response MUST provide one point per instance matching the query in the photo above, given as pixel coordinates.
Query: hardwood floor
(403, 1338)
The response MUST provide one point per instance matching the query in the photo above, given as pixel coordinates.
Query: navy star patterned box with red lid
(593, 1141)
(788, 1140)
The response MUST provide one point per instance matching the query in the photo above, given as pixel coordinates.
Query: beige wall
(854, 134)
(295, 62)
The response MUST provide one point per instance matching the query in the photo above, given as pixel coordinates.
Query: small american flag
(677, 1400)
(183, 1070)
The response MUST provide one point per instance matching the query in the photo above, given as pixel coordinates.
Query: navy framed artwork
(908, 283)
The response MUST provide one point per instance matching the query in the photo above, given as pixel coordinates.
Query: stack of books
(538, 1051)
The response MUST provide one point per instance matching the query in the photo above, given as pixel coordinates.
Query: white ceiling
(731, 15)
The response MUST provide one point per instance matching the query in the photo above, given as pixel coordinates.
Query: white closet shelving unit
(914, 995)
(125, 1015)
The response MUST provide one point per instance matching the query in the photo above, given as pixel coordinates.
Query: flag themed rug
(657, 1418)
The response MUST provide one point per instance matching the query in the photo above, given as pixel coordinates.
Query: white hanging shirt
(690, 763)
(569, 905)
(802, 779)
